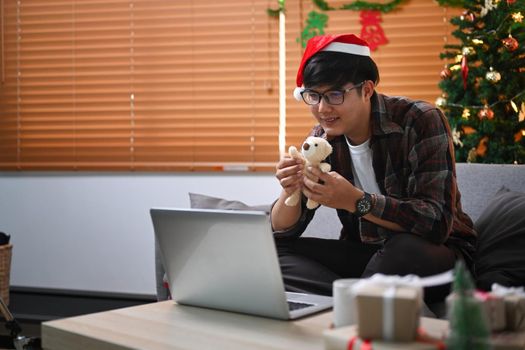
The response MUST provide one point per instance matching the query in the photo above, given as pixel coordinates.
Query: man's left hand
(330, 189)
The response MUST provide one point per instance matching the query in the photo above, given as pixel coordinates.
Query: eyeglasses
(334, 97)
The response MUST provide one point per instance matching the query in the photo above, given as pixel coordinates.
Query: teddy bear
(313, 151)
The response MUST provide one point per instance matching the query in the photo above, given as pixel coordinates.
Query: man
(392, 182)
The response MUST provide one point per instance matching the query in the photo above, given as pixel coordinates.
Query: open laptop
(227, 260)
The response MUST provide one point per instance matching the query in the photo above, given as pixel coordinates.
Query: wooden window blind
(144, 85)
(162, 85)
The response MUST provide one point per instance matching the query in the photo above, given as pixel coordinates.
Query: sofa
(492, 194)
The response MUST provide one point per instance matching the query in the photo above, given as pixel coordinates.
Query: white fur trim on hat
(297, 93)
(348, 48)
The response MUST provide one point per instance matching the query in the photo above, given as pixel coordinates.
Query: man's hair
(336, 69)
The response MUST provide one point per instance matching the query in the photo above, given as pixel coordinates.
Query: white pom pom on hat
(346, 43)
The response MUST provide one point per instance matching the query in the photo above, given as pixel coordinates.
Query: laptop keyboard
(296, 306)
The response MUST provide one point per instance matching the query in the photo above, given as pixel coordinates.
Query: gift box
(387, 308)
(514, 299)
(346, 338)
(493, 305)
(508, 340)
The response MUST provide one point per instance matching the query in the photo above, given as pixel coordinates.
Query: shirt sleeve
(427, 205)
(300, 226)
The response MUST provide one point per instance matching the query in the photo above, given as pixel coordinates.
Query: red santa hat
(346, 43)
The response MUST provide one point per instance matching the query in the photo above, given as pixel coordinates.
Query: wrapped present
(346, 338)
(493, 305)
(514, 299)
(507, 340)
(388, 307)
(494, 308)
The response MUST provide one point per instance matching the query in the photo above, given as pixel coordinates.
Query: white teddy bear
(313, 152)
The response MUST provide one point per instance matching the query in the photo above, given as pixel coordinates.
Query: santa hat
(346, 43)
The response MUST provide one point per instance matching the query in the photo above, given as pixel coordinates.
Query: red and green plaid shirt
(413, 160)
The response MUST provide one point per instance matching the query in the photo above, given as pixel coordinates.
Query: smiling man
(393, 180)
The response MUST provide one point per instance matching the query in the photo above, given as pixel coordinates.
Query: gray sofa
(478, 184)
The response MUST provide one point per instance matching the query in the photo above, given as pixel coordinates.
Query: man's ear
(368, 89)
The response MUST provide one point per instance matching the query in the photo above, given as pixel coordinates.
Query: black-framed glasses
(333, 97)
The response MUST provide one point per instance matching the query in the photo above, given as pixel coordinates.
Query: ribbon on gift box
(503, 291)
(514, 298)
(495, 307)
(366, 344)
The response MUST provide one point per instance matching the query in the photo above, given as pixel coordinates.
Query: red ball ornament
(445, 73)
(486, 113)
(510, 2)
(468, 16)
(510, 43)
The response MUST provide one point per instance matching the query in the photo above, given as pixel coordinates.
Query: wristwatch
(364, 205)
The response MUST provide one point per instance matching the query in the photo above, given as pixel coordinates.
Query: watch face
(364, 206)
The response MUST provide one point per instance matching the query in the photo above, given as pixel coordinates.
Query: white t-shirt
(364, 175)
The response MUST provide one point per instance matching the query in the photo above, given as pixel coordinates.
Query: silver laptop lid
(221, 259)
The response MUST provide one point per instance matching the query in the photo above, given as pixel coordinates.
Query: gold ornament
(468, 50)
(477, 41)
(455, 67)
(514, 106)
(466, 113)
(517, 17)
(471, 157)
(458, 58)
(441, 102)
(493, 76)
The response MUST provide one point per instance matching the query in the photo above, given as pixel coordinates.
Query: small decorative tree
(483, 82)
(468, 323)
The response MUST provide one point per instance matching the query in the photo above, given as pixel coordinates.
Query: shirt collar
(382, 122)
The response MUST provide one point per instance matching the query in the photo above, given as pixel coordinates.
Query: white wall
(93, 231)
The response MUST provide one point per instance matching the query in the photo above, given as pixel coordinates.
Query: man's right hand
(289, 173)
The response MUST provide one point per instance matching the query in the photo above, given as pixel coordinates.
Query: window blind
(138, 85)
(163, 85)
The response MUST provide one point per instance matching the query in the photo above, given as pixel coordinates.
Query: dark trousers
(311, 265)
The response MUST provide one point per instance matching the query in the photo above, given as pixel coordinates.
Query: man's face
(351, 118)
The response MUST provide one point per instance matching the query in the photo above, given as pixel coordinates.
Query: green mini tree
(468, 323)
(483, 82)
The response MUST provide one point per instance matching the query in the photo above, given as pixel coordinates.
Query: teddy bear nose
(306, 146)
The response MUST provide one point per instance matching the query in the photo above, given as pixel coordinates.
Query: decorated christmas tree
(468, 323)
(483, 81)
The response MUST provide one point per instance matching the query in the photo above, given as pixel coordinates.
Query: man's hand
(330, 189)
(289, 173)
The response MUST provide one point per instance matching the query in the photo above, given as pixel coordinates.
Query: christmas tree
(483, 81)
(468, 323)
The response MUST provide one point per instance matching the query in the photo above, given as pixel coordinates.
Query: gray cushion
(500, 256)
(479, 182)
(207, 202)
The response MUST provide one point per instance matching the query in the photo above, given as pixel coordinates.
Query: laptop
(227, 260)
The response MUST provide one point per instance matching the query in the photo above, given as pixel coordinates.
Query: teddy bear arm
(325, 167)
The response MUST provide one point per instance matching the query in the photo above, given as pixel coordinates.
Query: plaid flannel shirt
(413, 160)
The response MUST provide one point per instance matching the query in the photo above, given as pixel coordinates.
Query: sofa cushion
(202, 201)
(500, 256)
